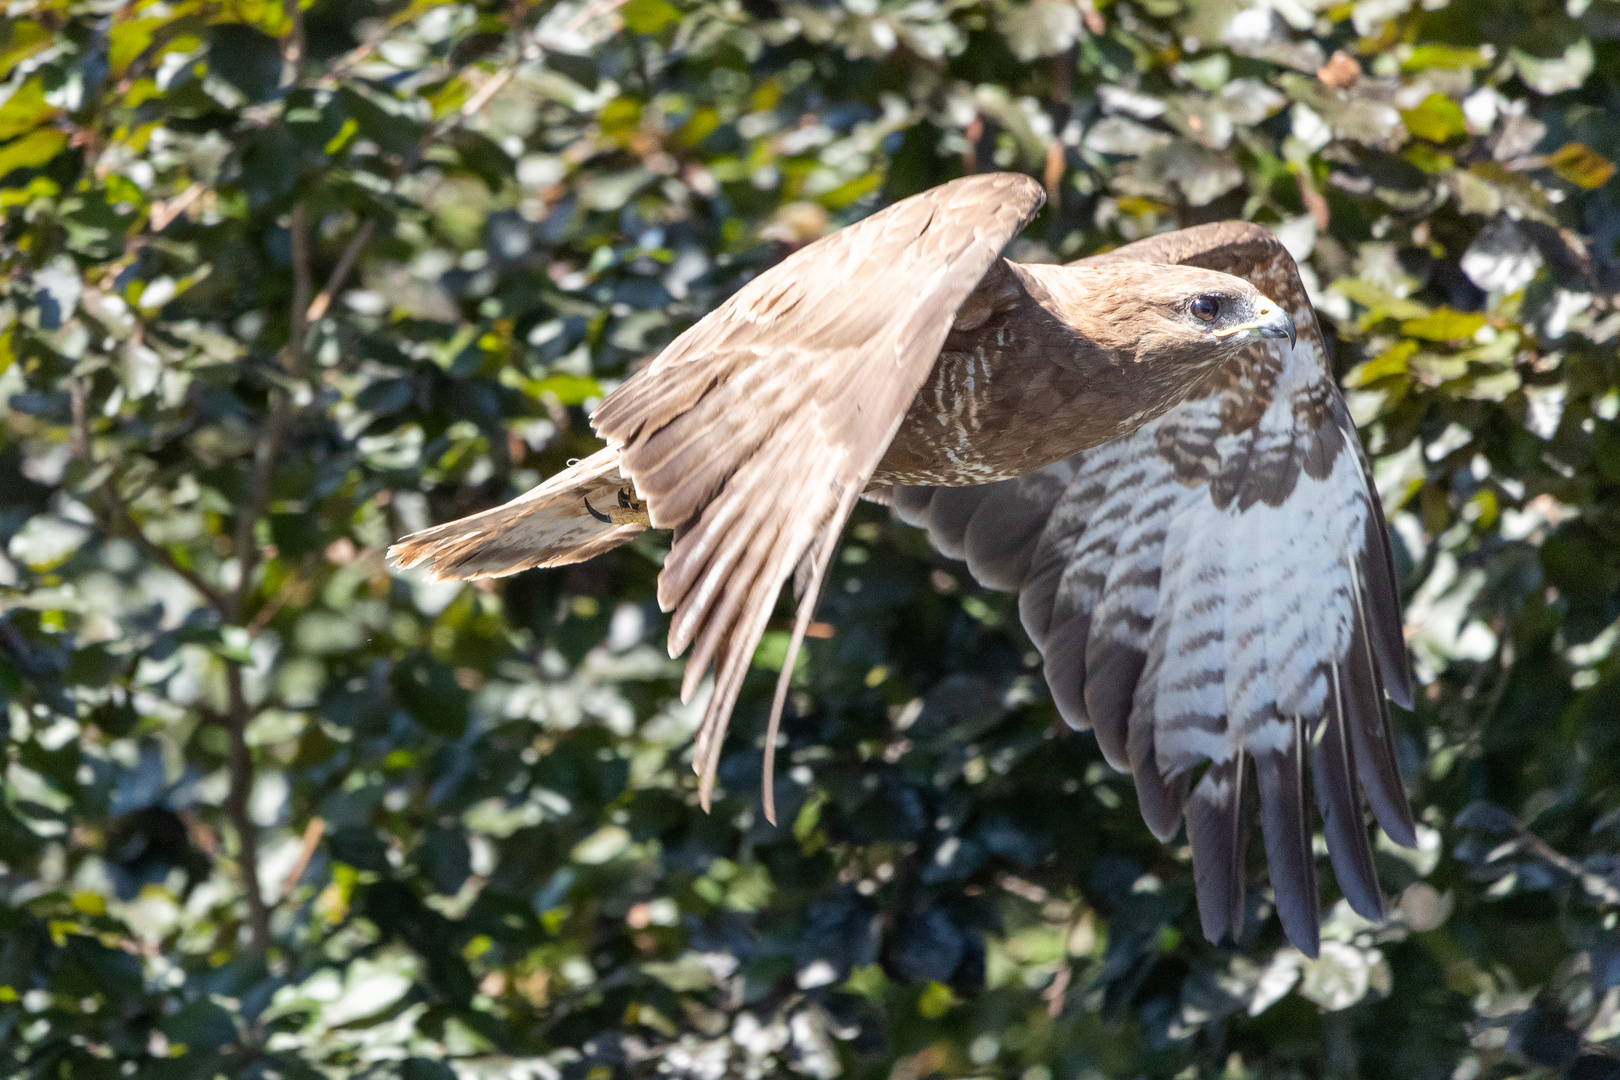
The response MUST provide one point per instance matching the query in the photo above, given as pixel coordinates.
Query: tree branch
(292, 46)
(237, 799)
(306, 851)
(239, 811)
(258, 495)
(345, 263)
(298, 229)
(489, 89)
(115, 517)
(1596, 885)
(123, 524)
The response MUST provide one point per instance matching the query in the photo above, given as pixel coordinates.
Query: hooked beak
(1272, 322)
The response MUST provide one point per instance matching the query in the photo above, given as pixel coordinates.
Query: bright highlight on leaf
(1444, 324)
(32, 150)
(1437, 119)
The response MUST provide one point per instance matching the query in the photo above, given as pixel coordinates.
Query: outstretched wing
(1214, 590)
(754, 432)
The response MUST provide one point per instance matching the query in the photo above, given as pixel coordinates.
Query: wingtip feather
(1280, 779)
(1218, 835)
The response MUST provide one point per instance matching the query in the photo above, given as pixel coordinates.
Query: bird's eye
(1206, 308)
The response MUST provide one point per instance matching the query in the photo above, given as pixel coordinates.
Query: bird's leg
(629, 511)
(632, 511)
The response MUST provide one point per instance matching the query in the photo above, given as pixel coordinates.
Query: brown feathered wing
(1215, 591)
(754, 432)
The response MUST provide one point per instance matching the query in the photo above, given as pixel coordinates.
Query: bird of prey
(1146, 445)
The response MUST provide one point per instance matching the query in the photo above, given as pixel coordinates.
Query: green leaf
(127, 40)
(935, 1001)
(25, 110)
(649, 16)
(427, 689)
(1391, 362)
(388, 126)
(1445, 57)
(359, 847)
(296, 535)
(841, 196)
(1443, 324)
(31, 151)
(480, 156)
(1581, 165)
(419, 1068)
(1437, 119)
(26, 38)
(1383, 305)
(201, 1025)
(567, 389)
(245, 58)
(445, 859)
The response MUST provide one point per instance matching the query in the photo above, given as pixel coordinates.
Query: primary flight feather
(1136, 443)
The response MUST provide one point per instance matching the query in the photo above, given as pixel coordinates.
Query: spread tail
(578, 514)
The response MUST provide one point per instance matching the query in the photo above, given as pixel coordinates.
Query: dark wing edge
(753, 434)
(1216, 591)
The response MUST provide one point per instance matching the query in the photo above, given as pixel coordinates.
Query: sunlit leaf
(1437, 118)
(32, 150)
(649, 16)
(25, 109)
(1580, 164)
(1443, 324)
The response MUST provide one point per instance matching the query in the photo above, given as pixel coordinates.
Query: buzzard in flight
(1137, 443)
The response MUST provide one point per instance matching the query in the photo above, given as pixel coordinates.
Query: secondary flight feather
(1147, 446)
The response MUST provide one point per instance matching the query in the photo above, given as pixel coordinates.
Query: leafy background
(283, 283)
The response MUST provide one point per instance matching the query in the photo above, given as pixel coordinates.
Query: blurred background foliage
(283, 283)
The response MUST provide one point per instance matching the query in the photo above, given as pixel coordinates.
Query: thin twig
(81, 421)
(115, 515)
(298, 228)
(125, 525)
(1057, 992)
(306, 851)
(247, 552)
(292, 46)
(594, 9)
(162, 213)
(1594, 884)
(489, 89)
(345, 263)
(247, 558)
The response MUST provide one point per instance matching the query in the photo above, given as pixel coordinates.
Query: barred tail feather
(557, 523)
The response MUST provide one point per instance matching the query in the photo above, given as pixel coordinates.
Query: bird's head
(1177, 321)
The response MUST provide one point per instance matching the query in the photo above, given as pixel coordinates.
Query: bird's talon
(630, 511)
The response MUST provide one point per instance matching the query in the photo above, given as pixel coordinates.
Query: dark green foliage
(275, 293)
